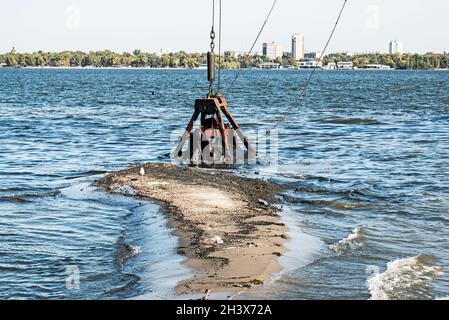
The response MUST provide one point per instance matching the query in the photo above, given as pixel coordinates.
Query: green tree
(11, 60)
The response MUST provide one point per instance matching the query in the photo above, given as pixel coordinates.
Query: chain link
(212, 44)
(212, 38)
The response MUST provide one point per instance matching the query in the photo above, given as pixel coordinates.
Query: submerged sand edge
(231, 239)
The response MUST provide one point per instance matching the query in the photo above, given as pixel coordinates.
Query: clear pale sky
(149, 25)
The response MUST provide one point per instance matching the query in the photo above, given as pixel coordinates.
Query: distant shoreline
(102, 68)
(202, 69)
(230, 60)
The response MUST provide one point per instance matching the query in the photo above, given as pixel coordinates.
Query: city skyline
(272, 49)
(366, 26)
(300, 51)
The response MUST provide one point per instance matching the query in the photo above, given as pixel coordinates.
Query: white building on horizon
(310, 64)
(396, 47)
(377, 67)
(345, 65)
(298, 48)
(269, 65)
(272, 50)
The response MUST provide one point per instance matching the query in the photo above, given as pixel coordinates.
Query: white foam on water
(351, 242)
(134, 250)
(405, 279)
(302, 247)
(443, 298)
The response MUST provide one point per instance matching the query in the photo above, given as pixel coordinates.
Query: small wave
(129, 283)
(347, 206)
(124, 253)
(16, 199)
(18, 173)
(163, 156)
(52, 193)
(349, 121)
(13, 189)
(26, 198)
(152, 116)
(443, 298)
(331, 204)
(85, 174)
(134, 250)
(405, 279)
(351, 242)
(10, 268)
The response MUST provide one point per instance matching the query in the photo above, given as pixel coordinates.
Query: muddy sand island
(230, 233)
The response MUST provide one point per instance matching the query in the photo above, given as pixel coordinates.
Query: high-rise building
(396, 47)
(272, 50)
(298, 46)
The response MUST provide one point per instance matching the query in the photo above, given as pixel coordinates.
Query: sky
(149, 25)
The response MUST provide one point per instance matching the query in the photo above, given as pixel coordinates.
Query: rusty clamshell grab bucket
(214, 142)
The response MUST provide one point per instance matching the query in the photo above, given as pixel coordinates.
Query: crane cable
(212, 44)
(309, 80)
(219, 49)
(254, 43)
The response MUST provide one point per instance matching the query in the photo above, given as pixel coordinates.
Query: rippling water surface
(364, 158)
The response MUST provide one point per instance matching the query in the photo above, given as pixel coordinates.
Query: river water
(364, 160)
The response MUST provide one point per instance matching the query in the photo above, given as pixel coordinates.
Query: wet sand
(228, 229)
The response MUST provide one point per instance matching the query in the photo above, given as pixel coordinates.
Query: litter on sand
(218, 240)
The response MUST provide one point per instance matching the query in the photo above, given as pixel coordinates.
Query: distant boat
(378, 67)
(269, 65)
(201, 67)
(345, 65)
(330, 66)
(310, 64)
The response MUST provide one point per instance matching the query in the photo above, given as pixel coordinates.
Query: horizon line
(205, 52)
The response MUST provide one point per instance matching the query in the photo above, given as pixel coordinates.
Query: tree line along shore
(139, 59)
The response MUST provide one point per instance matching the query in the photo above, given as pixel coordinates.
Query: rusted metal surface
(214, 140)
